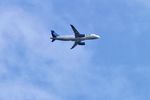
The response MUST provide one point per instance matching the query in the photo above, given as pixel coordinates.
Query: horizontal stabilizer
(53, 40)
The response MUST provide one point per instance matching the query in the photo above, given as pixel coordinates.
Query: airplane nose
(98, 36)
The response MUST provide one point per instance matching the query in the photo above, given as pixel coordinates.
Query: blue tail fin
(54, 34)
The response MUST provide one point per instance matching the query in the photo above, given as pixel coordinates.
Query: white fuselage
(73, 38)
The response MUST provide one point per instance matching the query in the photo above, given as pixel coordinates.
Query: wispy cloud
(31, 67)
(29, 61)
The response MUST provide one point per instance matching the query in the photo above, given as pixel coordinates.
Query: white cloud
(34, 68)
(27, 55)
(23, 91)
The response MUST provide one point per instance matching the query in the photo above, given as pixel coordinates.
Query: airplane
(77, 37)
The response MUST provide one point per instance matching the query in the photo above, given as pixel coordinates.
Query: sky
(115, 67)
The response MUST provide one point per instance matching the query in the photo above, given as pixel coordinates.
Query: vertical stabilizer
(54, 35)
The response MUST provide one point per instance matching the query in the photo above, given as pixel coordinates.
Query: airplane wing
(74, 45)
(77, 43)
(77, 34)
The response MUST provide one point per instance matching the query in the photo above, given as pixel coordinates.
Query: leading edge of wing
(74, 45)
(75, 31)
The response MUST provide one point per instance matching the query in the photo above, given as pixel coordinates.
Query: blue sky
(116, 67)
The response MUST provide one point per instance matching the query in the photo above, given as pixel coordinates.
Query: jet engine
(82, 35)
(81, 43)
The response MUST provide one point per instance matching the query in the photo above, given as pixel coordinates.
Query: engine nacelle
(82, 35)
(81, 43)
